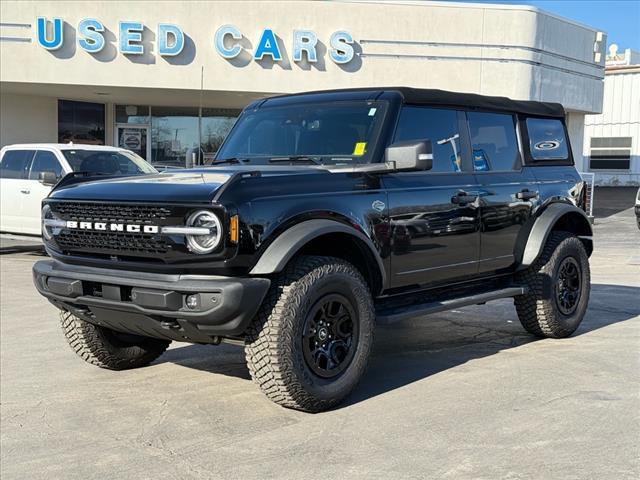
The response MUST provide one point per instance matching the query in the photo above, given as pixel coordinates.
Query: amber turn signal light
(234, 231)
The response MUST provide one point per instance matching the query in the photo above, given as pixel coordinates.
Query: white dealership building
(167, 79)
(612, 138)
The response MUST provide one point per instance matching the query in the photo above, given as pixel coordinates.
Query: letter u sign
(52, 38)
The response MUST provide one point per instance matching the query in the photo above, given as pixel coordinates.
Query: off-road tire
(106, 348)
(538, 310)
(274, 345)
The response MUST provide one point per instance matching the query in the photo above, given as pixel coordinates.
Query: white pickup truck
(28, 171)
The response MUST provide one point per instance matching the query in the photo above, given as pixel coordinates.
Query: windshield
(327, 133)
(110, 162)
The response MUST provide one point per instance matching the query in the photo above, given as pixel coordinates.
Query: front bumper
(153, 304)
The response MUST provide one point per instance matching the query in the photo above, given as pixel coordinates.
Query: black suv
(323, 213)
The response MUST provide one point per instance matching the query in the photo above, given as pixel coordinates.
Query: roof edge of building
(488, 5)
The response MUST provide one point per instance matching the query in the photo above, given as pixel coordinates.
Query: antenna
(200, 152)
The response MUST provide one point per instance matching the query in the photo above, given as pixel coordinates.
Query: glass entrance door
(134, 138)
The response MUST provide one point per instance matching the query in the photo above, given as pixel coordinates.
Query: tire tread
(269, 340)
(537, 313)
(91, 344)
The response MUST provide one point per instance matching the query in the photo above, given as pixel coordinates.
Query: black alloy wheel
(329, 336)
(568, 286)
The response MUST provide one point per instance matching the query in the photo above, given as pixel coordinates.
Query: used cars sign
(171, 41)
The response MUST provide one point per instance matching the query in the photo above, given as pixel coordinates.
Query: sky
(619, 19)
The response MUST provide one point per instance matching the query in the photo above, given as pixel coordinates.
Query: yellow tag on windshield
(359, 148)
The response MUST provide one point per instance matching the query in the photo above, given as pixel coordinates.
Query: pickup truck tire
(559, 283)
(314, 300)
(107, 348)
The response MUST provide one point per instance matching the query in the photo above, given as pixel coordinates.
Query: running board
(396, 314)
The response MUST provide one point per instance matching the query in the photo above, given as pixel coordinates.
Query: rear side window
(15, 163)
(438, 125)
(547, 140)
(45, 161)
(494, 142)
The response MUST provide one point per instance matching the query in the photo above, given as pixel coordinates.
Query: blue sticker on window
(480, 161)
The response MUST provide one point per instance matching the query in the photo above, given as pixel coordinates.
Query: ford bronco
(322, 214)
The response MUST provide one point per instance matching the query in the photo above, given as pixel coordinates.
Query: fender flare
(288, 243)
(542, 228)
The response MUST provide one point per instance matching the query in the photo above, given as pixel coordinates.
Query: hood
(182, 186)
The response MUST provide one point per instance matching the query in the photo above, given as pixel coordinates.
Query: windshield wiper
(232, 160)
(295, 159)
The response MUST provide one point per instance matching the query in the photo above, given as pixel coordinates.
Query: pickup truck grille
(118, 243)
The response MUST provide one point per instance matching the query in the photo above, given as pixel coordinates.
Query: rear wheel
(107, 348)
(309, 344)
(559, 285)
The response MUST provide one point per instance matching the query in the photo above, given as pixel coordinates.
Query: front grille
(126, 243)
(115, 242)
(115, 213)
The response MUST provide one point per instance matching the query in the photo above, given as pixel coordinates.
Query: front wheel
(559, 285)
(310, 342)
(107, 348)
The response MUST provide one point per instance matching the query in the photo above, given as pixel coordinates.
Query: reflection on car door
(34, 191)
(434, 214)
(14, 167)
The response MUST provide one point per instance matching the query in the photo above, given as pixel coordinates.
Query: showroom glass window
(174, 135)
(81, 122)
(494, 142)
(214, 126)
(137, 114)
(438, 125)
(180, 136)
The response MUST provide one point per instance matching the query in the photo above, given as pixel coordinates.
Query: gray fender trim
(542, 227)
(283, 248)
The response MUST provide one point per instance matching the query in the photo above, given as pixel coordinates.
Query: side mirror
(47, 178)
(410, 155)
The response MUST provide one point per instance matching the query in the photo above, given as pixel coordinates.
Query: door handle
(25, 190)
(462, 198)
(526, 195)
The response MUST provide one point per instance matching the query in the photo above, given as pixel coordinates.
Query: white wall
(575, 126)
(27, 118)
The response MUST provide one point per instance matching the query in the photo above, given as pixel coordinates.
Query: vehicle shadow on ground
(414, 350)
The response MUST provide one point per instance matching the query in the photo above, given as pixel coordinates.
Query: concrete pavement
(461, 395)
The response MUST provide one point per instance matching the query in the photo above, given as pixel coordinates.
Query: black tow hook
(170, 324)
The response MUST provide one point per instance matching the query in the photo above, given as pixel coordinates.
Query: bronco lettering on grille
(113, 227)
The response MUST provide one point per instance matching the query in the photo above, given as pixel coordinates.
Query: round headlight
(46, 214)
(204, 242)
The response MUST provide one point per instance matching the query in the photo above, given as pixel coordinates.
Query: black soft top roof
(419, 96)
